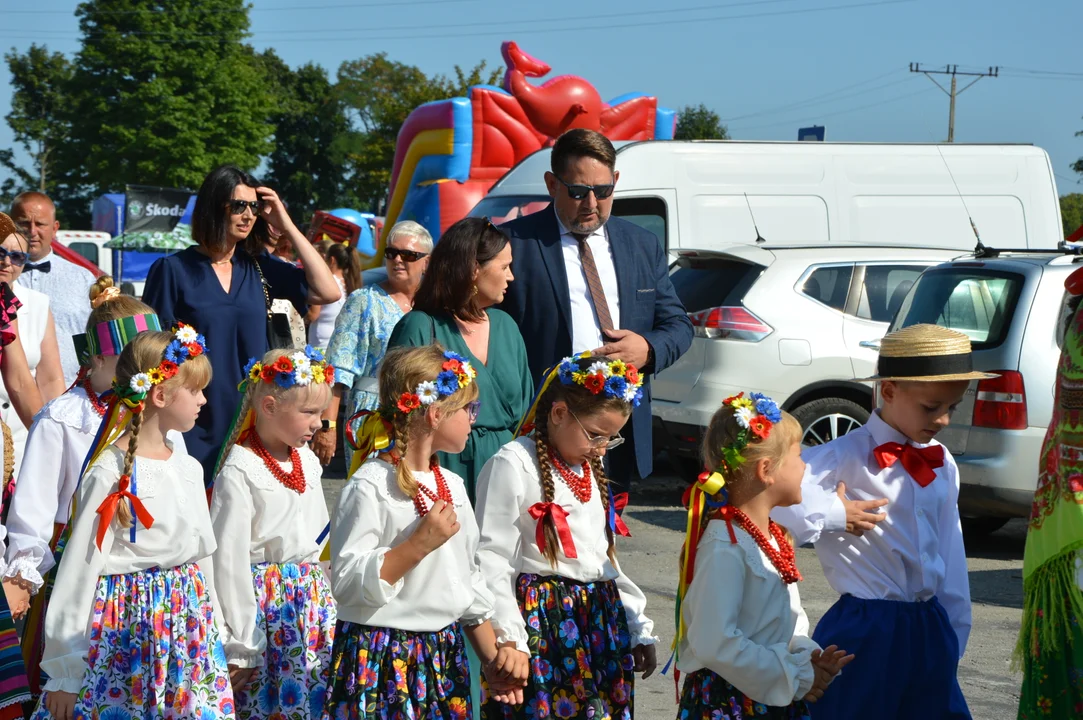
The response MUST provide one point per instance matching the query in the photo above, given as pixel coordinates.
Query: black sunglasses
(237, 207)
(578, 192)
(408, 256)
(17, 257)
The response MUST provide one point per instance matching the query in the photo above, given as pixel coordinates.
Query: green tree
(379, 94)
(308, 164)
(1071, 212)
(39, 80)
(698, 122)
(164, 92)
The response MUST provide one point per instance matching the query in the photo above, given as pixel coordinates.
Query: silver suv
(1012, 305)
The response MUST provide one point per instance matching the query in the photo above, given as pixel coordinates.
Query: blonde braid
(403, 475)
(602, 481)
(124, 512)
(545, 472)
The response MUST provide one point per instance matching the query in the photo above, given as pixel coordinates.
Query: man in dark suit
(585, 281)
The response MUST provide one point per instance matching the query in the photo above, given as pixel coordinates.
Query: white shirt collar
(883, 433)
(48, 257)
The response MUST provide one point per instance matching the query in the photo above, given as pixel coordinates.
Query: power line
(1050, 73)
(825, 97)
(254, 8)
(836, 113)
(954, 71)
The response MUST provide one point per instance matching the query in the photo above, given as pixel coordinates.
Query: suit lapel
(553, 257)
(622, 262)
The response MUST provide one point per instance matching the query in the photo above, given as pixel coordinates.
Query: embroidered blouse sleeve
(34, 506)
(231, 516)
(357, 544)
(500, 499)
(67, 624)
(954, 593)
(722, 584)
(482, 608)
(349, 343)
(640, 626)
(820, 510)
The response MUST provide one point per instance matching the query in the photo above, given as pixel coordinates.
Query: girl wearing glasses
(225, 284)
(548, 518)
(403, 548)
(364, 326)
(269, 516)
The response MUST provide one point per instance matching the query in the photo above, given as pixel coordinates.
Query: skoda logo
(135, 208)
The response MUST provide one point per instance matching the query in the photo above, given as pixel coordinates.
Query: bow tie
(40, 267)
(921, 463)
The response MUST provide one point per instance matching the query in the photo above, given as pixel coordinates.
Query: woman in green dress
(1050, 647)
(468, 273)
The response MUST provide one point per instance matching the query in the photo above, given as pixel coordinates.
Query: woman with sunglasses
(364, 326)
(39, 341)
(224, 284)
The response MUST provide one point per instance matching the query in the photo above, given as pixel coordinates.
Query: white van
(705, 195)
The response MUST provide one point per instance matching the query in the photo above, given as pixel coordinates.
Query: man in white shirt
(905, 606)
(66, 284)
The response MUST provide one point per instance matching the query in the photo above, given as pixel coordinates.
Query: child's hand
(645, 660)
(820, 682)
(832, 659)
(18, 597)
(861, 515)
(61, 705)
(509, 666)
(437, 527)
(239, 677)
(507, 694)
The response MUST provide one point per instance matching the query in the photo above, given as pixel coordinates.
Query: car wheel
(825, 419)
(979, 527)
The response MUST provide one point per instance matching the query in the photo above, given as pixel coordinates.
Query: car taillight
(730, 323)
(1001, 403)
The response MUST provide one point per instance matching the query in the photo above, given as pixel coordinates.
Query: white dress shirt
(586, 335)
(508, 486)
(373, 516)
(743, 623)
(68, 288)
(172, 492)
(914, 554)
(257, 519)
(56, 447)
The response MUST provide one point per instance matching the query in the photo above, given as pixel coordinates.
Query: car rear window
(707, 282)
(976, 301)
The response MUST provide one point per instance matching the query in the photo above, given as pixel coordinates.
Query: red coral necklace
(580, 485)
(294, 479)
(783, 559)
(443, 492)
(95, 401)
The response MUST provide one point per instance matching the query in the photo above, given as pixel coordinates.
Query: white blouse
(172, 492)
(508, 486)
(743, 623)
(257, 519)
(59, 440)
(373, 516)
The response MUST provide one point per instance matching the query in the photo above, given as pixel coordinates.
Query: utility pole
(953, 70)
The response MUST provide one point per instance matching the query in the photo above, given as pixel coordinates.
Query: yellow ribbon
(371, 436)
(696, 499)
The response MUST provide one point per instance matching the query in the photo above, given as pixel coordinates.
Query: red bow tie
(921, 463)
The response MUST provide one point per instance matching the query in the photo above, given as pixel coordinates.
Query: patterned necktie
(594, 284)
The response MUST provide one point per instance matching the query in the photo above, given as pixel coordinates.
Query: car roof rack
(1063, 248)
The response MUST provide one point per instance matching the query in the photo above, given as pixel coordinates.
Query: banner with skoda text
(153, 209)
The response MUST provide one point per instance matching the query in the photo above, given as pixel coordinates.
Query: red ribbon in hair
(108, 509)
(539, 511)
(620, 501)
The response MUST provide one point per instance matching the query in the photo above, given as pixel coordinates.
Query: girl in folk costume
(269, 516)
(131, 631)
(403, 545)
(548, 520)
(56, 448)
(742, 635)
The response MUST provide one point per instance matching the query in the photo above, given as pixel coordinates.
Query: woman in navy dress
(215, 287)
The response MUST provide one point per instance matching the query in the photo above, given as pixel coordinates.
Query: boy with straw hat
(905, 605)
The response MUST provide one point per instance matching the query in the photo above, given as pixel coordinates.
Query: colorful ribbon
(617, 503)
(108, 509)
(323, 541)
(246, 424)
(559, 515)
(373, 435)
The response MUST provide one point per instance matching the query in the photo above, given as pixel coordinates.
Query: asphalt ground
(656, 520)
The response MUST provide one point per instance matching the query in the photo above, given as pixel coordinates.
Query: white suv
(786, 321)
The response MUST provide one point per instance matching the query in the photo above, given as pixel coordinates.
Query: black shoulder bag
(278, 324)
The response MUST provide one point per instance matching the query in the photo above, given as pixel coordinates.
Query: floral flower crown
(186, 344)
(756, 415)
(615, 378)
(455, 374)
(298, 368)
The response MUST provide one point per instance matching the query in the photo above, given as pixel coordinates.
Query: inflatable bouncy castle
(450, 152)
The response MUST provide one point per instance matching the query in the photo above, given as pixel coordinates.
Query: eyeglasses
(237, 207)
(472, 409)
(578, 192)
(408, 256)
(15, 257)
(600, 441)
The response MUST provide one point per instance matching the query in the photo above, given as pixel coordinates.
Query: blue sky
(767, 66)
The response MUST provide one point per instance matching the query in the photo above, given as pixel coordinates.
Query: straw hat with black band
(926, 353)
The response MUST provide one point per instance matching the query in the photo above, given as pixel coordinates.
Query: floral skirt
(707, 696)
(295, 609)
(1053, 678)
(581, 656)
(154, 650)
(388, 674)
(13, 689)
